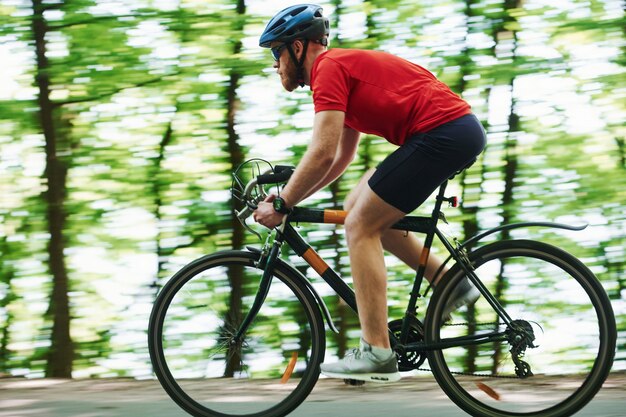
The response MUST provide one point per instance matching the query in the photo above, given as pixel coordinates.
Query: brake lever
(242, 215)
(251, 205)
(251, 230)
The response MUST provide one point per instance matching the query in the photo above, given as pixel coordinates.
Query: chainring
(407, 361)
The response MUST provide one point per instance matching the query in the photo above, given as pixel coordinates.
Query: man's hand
(266, 215)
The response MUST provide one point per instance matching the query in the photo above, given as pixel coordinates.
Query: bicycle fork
(266, 261)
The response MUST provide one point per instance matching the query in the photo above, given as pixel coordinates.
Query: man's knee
(353, 227)
(357, 228)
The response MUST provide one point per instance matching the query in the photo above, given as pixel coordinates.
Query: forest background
(121, 122)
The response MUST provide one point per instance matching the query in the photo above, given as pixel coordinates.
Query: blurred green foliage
(154, 104)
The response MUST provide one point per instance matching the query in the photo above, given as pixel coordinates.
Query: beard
(289, 76)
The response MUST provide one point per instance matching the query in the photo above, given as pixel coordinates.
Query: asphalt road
(126, 398)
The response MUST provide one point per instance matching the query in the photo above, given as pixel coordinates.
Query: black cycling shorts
(409, 175)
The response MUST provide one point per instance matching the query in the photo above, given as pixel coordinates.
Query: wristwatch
(280, 206)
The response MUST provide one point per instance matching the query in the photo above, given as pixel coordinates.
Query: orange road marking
(290, 368)
(488, 390)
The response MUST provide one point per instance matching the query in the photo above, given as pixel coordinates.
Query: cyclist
(354, 92)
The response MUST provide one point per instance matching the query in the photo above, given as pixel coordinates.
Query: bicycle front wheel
(561, 351)
(269, 372)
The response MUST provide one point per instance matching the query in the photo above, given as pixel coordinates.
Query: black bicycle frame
(419, 224)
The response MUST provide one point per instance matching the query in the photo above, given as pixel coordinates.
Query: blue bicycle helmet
(302, 21)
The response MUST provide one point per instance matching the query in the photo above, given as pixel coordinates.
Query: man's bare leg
(366, 222)
(406, 247)
(367, 227)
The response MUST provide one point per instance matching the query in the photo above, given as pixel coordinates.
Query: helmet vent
(297, 11)
(277, 24)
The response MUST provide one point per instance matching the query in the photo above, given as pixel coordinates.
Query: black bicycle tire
(293, 282)
(607, 326)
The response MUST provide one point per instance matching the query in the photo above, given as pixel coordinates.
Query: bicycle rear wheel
(269, 373)
(561, 307)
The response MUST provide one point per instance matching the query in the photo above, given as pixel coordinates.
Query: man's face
(286, 69)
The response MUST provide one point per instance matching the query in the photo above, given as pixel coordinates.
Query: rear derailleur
(520, 336)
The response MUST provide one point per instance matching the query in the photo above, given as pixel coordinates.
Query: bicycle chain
(475, 324)
(469, 373)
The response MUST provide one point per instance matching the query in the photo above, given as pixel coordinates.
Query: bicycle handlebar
(281, 174)
(278, 175)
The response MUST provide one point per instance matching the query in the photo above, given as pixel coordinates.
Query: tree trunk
(7, 274)
(158, 201)
(61, 353)
(510, 155)
(235, 152)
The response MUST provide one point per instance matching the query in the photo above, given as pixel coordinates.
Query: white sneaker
(363, 365)
(464, 294)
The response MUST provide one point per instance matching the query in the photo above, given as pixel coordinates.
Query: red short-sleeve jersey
(382, 94)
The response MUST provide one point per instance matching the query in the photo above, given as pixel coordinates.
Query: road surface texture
(130, 398)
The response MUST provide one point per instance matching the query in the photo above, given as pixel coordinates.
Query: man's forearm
(343, 157)
(339, 165)
(308, 177)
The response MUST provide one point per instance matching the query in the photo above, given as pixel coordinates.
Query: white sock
(380, 353)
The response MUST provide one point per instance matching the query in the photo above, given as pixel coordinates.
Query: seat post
(440, 199)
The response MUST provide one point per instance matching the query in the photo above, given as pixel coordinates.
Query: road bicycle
(242, 332)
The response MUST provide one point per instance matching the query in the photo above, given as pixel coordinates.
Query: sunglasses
(277, 50)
